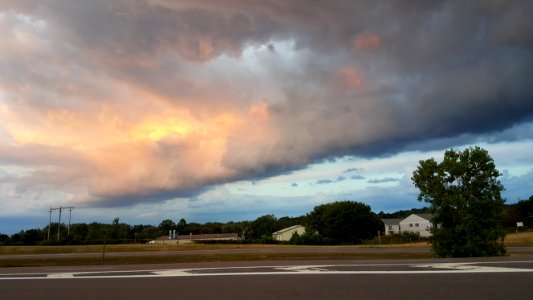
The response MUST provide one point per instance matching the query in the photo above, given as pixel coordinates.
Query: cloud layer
(114, 102)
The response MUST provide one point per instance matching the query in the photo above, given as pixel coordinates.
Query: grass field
(524, 239)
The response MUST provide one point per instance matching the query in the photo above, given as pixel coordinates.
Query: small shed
(392, 226)
(286, 234)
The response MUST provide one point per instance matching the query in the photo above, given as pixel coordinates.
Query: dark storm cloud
(366, 78)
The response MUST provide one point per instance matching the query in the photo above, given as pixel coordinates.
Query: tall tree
(263, 227)
(166, 225)
(345, 221)
(465, 197)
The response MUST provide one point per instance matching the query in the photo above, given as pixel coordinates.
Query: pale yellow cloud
(152, 146)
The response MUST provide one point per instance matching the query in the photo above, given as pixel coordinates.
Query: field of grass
(10, 250)
(32, 250)
(522, 239)
(176, 254)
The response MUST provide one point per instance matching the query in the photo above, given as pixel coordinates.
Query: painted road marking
(470, 267)
(412, 269)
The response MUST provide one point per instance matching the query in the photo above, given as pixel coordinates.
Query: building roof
(201, 236)
(390, 222)
(425, 216)
(287, 229)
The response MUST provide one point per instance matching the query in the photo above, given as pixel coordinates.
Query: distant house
(285, 234)
(417, 223)
(391, 226)
(190, 238)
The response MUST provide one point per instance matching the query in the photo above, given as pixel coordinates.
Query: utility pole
(69, 217)
(49, 223)
(61, 208)
(59, 223)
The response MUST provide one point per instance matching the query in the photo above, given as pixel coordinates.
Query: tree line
(330, 223)
(324, 219)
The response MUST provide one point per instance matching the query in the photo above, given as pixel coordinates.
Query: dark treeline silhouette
(258, 231)
(401, 214)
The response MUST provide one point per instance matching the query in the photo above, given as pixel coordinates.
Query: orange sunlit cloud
(367, 41)
(352, 78)
(163, 148)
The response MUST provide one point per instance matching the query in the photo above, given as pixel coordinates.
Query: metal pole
(69, 217)
(59, 223)
(49, 223)
(103, 252)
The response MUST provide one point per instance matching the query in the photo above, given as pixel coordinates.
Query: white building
(417, 223)
(285, 234)
(391, 226)
(190, 238)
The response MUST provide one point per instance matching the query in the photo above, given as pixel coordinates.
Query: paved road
(501, 278)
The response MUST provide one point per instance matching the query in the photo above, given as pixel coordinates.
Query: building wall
(416, 224)
(390, 229)
(190, 238)
(285, 235)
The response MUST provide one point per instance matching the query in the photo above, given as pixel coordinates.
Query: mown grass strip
(191, 258)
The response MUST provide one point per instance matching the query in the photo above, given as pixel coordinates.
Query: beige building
(392, 226)
(417, 223)
(285, 234)
(190, 238)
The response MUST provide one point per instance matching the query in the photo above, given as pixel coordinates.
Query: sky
(226, 110)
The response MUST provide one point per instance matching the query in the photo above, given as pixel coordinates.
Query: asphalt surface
(485, 278)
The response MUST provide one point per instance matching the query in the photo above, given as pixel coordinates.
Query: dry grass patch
(28, 250)
(522, 239)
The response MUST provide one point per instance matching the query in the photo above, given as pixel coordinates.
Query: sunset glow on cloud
(240, 108)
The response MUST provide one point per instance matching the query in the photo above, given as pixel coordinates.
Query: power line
(60, 209)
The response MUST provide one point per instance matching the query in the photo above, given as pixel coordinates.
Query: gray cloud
(383, 180)
(324, 181)
(352, 170)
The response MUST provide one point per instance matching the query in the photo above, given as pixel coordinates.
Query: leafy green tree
(149, 232)
(96, 232)
(32, 236)
(522, 211)
(262, 227)
(4, 239)
(165, 226)
(345, 222)
(464, 193)
(182, 224)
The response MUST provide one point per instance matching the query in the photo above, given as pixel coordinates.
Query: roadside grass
(35, 250)
(521, 239)
(31, 250)
(175, 257)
